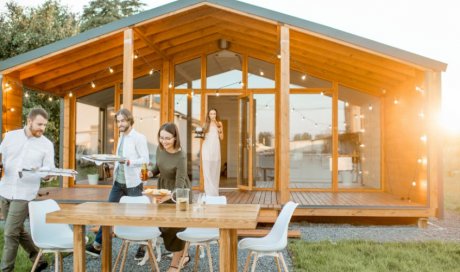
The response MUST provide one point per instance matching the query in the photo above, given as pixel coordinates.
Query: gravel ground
(447, 229)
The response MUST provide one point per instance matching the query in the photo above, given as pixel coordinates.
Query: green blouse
(172, 168)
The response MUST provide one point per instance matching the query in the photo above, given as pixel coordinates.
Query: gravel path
(441, 230)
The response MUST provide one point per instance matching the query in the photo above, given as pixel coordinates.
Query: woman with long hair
(210, 153)
(171, 165)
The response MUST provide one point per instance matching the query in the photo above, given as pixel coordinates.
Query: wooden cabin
(343, 125)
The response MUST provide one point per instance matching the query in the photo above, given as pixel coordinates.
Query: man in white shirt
(126, 175)
(22, 148)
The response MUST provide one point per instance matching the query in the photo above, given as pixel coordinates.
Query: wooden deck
(363, 204)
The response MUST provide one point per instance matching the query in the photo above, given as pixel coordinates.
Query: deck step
(263, 232)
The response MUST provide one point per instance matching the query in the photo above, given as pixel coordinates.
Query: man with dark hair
(22, 148)
(126, 175)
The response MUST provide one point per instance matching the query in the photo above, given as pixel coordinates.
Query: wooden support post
(128, 64)
(335, 136)
(165, 91)
(284, 115)
(68, 149)
(435, 177)
(422, 223)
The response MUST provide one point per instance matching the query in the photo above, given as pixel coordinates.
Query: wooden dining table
(228, 218)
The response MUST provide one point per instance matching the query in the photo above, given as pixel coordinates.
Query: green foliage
(374, 256)
(302, 136)
(101, 12)
(23, 29)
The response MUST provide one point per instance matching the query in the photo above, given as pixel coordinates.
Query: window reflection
(264, 174)
(305, 80)
(310, 140)
(359, 139)
(224, 70)
(261, 74)
(187, 75)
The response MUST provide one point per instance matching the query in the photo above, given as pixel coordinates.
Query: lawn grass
(367, 256)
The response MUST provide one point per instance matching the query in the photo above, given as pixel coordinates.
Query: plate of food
(104, 157)
(156, 192)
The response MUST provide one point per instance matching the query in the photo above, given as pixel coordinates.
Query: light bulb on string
(151, 72)
(304, 76)
(70, 94)
(370, 107)
(111, 70)
(50, 99)
(26, 95)
(93, 85)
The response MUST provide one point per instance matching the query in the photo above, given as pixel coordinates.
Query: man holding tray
(132, 146)
(22, 148)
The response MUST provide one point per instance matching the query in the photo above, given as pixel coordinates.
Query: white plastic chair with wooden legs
(201, 237)
(49, 238)
(273, 243)
(136, 235)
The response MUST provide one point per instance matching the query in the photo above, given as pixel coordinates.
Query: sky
(425, 27)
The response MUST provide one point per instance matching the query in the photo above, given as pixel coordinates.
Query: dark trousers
(119, 190)
(15, 213)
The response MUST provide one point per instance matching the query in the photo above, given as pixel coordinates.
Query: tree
(101, 12)
(23, 29)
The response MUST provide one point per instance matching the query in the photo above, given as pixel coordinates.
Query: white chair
(201, 237)
(136, 235)
(49, 238)
(273, 243)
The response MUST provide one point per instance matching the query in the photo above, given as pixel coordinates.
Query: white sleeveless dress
(210, 155)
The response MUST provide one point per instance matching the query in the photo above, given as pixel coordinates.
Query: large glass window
(264, 174)
(310, 140)
(187, 75)
(359, 139)
(224, 70)
(261, 74)
(187, 110)
(94, 134)
(304, 80)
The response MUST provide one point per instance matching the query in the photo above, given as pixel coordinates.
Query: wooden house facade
(344, 125)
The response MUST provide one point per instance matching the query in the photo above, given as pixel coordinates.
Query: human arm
(220, 130)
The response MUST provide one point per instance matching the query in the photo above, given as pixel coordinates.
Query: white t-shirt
(18, 152)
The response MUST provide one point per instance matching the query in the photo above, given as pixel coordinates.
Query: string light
(111, 70)
(261, 73)
(170, 85)
(151, 72)
(396, 101)
(423, 138)
(347, 104)
(70, 94)
(26, 95)
(370, 107)
(304, 76)
(50, 99)
(93, 85)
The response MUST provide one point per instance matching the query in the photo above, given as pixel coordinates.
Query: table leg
(228, 251)
(106, 261)
(79, 256)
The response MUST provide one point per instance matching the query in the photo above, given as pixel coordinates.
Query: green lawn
(369, 256)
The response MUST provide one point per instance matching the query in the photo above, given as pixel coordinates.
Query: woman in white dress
(210, 153)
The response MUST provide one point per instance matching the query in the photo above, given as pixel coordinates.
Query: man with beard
(22, 148)
(126, 174)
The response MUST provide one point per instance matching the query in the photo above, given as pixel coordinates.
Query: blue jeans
(119, 190)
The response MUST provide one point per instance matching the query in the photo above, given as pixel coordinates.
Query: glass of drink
(182, 197)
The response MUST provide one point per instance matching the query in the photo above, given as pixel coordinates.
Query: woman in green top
(171, 164)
